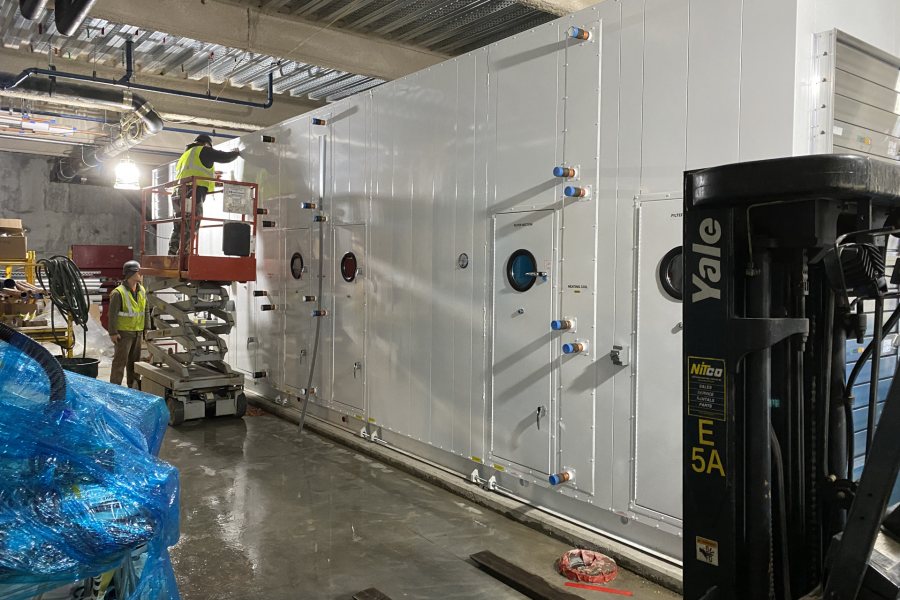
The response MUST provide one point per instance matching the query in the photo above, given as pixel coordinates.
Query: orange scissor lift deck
(187, 353)
(189, 264)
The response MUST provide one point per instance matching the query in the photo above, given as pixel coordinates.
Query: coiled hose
(39, 354)
(68, 293)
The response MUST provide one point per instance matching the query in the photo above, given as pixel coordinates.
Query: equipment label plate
(706, 388)
(707, 551)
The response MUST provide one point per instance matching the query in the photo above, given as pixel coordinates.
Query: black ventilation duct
(33, 9)
(69, 13)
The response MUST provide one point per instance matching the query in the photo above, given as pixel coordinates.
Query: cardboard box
(13, 244)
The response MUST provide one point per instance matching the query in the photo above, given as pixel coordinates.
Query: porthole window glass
(348, 267)
(521, 269)
(297, 265)
(671, 273)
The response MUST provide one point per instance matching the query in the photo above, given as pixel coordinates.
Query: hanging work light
(127, 175)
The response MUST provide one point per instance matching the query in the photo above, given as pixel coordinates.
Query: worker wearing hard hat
(128, 320)
(198, 160)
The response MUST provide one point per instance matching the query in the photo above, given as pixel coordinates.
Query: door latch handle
(540, 412)
(357, 366)
(537, 274)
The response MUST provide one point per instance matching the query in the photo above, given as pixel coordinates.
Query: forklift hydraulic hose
(33, 350)
(315, 349)
(851, 380)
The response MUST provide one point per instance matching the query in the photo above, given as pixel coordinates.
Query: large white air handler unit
(492, 316)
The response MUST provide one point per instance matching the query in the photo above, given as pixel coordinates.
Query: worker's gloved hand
(114, 337)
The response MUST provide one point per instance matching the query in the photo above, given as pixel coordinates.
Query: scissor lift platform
(203, 392)
(187, 351)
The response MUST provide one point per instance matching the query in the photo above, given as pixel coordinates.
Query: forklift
(785, 262)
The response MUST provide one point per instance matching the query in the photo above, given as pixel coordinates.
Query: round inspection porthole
(462, 261)
(297, 265)
(521, 269)
(671, 273)
(348, 267)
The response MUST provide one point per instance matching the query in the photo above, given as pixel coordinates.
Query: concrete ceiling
(317, 51)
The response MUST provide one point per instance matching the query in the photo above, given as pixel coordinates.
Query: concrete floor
(268, 515)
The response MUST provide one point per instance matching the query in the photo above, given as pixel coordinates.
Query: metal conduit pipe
(33, 9)
(125, 83)
(76, 102)
(139, 124)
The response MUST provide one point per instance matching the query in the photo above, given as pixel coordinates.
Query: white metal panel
(522, 404)
(391, 257)
(349, 317)
(242, 339)
(614, 415)
(270, 323)
(713, 86)
(665, 95)
(297, 175)
(298, 282)
(349, 169)
(526, 118)
(768, 78)
(657, 364)
(466, 335)
(576, 284)
(442, 83)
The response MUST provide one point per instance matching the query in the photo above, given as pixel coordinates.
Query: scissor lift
(187, 352)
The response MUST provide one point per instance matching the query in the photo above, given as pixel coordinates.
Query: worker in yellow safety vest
(198, 160)
(128, 320)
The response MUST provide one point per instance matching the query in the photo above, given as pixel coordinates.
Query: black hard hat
(130, 268)
(203, 139)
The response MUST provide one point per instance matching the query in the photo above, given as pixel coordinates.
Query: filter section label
(706, 388)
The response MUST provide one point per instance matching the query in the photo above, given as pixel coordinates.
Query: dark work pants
(175, 240)
(128, 352)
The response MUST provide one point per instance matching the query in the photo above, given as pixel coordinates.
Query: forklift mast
(779, 256)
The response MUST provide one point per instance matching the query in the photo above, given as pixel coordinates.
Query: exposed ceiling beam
(559, 7)
(278, 35)
(283, 108)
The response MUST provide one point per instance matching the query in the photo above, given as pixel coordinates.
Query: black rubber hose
(778, 464)
(851, 380)
(873, 377)
(315, 349)
(39, 354)
(68, 293)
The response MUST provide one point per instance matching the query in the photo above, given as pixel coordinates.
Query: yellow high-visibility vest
(189, 165)
(131, 315)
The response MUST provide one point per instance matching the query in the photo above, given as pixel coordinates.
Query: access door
(297, 311)
(349, 317)
(522, 406)
(267, 296)
(657, 463)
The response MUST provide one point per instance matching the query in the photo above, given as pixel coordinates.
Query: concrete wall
(57, 215)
